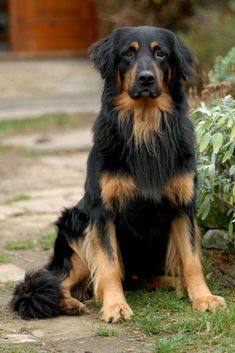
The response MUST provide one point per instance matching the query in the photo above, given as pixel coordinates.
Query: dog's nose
(146, 77)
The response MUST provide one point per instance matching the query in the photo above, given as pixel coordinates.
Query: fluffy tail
(40, 294)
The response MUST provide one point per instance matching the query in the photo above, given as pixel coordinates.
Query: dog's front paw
(209, 303)
(116, 312)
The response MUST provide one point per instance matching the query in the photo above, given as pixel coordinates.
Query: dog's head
(143, 61)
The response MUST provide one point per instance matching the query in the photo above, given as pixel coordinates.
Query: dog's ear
(101, 53)
(183, 60)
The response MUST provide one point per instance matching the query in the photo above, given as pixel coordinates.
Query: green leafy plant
(224, 68)
(215, 130)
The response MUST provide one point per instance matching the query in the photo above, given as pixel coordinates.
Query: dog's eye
(160, 53)
(129, 53)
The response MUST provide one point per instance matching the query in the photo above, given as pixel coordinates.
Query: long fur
(40, 294)
(143, 222)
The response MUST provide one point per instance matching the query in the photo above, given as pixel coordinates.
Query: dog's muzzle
(145, 86)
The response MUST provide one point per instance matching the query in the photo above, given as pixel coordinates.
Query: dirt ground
(33, 190)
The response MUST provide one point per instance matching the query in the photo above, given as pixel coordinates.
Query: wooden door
(45, 25)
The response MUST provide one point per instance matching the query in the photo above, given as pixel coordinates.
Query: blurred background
(36, 26)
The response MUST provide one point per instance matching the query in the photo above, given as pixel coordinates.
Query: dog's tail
(40, 294)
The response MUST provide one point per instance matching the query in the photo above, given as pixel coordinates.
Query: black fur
(39, 296)
(143, 224)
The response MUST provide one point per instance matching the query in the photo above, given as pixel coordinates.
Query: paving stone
(73, 140)
(47, 86)
(11, 273)
(9, 211)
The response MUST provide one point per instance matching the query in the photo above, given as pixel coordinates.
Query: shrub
(209, 36)
(215, 131)
(224, 68)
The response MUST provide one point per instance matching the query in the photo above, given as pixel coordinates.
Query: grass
(10, 285)
(106, 331)
(173, 344)
(20, 245)
(17, 198)
(44, 123)
(46, 242)
(4, 258)
(5, 149)
(47, 238)
(177, 328)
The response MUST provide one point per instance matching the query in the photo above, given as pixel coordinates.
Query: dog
(135, 226)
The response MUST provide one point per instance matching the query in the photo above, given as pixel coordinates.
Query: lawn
(176, 328)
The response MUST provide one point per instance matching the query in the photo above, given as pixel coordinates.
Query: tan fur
(118, 80)
(180, 189)
(147, 112)
(184, 261)
(106, 275)
(146, 115)
(79, 272)
(154, 45)
(135, 45)
(105, 270)
(169, 76)
(117, 189)
(173, 264)
(129, 79)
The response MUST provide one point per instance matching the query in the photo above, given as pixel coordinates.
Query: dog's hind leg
(47, 292)
(184, 257)
(175, 282)
(78, 274)
(103, 256)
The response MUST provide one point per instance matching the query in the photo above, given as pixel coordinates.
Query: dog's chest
(152, 170)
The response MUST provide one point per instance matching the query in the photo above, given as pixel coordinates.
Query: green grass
(173, 344)
(177, 328)
(47, 238)
(5, 149)
(46, 241)
(4, 258)
(106, 331)
(9, 285)
(44, 123)
(20, 245)
(17, 198)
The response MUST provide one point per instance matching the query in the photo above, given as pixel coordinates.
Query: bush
(215, 130)
(209, 36)
(224, 68)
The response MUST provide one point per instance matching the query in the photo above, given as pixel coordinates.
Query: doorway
(4, 28)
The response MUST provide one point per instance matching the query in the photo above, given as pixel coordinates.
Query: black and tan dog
(135, 226)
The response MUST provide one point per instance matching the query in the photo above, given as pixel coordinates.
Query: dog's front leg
(185, 240)
(106, 268)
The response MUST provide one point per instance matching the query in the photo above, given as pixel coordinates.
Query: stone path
(33, 87)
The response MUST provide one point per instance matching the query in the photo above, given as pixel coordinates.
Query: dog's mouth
(145, 93)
